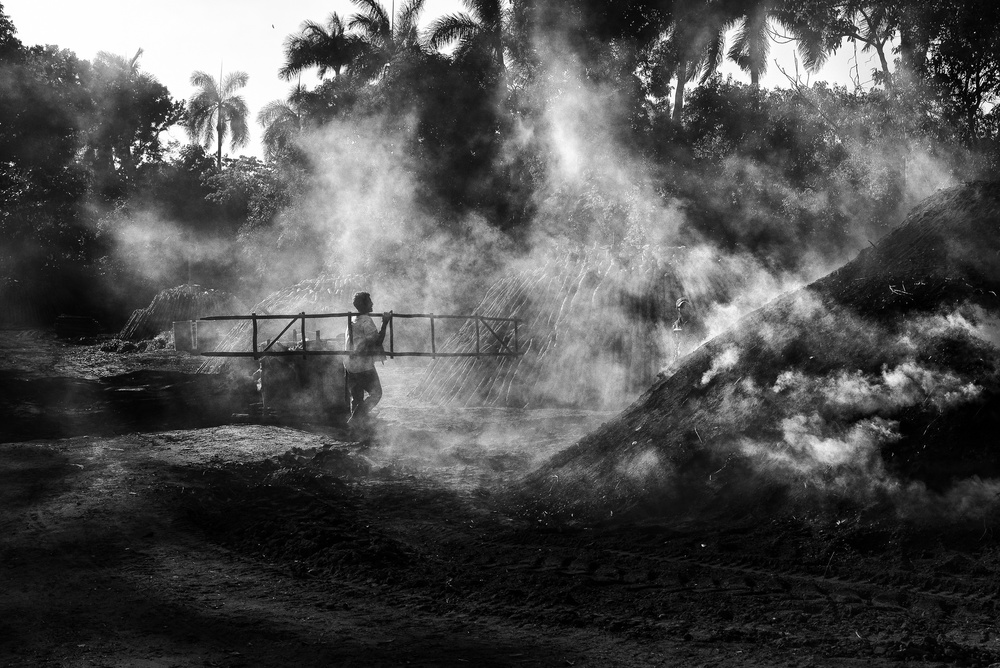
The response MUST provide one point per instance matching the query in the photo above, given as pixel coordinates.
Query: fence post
(477, 336)
(433, 346)
(303, 314)
(392, 347)
(349, 345)
(253, 319)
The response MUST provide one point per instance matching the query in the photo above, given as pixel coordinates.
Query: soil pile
(879, 383)
(184, 302)
(327, 293)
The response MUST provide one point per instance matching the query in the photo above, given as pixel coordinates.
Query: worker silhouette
(682, 321)
(364, 341)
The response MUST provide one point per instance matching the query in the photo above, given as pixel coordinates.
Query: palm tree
(282, 121)
(484, 26)
(755, 32)
(384, 38)
(329, 48)
(129, 67)
(752, 43)
(216, 110)
(124, 129)
(693, 45)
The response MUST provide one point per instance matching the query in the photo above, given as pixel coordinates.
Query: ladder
(486, 327)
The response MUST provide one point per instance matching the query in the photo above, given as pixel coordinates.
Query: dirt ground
(137, 535)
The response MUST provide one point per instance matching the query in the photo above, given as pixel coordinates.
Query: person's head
(363, 302)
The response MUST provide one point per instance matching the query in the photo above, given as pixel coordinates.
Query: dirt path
(183, 548)
(101, 567)
(250, 545)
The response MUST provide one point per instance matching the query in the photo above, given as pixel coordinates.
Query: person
(364, 341)
(678, 328)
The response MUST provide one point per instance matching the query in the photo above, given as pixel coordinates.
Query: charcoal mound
(560, 304)
(182, 302)
(593, 331)
(875, 386)
(322, 294)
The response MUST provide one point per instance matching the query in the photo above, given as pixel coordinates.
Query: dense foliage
(520, 119)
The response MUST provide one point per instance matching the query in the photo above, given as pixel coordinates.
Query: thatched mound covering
(873, 384)
(184, 302)
(595, 329)
(327, 293)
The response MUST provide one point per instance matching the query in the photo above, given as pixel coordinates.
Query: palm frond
(201, 121)
(372, 21)
(233, 82)
(371, 29)
(133, 64)
(451, 28)
(486, 12)
(335, 24)
(206, 82)
(811, 47)
(711, 55)
(752, 44)
(281, 121)
(273, 112)
(300, 54)
(406, 17)
(239, 130)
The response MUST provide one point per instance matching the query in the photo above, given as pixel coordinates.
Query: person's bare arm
(386, 317)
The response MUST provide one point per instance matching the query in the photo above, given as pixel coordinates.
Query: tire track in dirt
(782, 574)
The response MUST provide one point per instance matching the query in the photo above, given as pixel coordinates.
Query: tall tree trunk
(679, 94)
(879, 48)
(218, 140)
(915, 25)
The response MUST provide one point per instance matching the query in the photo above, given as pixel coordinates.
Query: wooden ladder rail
(480, 321)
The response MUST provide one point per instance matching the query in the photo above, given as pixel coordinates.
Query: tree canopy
(521, 117)
(216, 110)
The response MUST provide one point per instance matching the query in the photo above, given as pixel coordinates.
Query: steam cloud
(361, 214)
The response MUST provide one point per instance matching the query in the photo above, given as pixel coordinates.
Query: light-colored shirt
(365, 335)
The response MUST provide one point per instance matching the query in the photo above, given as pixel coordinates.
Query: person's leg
(356, 385)
(371, 384)
(374, 391)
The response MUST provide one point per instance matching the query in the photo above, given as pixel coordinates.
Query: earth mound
(875, 386)
(183, 302)
(322, 294)
(595, 329)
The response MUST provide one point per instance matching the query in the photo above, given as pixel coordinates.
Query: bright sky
(187, 35)
(181, 36)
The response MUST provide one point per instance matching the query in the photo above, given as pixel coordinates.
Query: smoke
(833, 428)
(147, 252)
(595, 190)
(848, 428)
(848, 393)
(475, 446)
(815, 449)
(768, 230)
(727, 360)
(362, 214)
(158, 249)
(972, 319)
